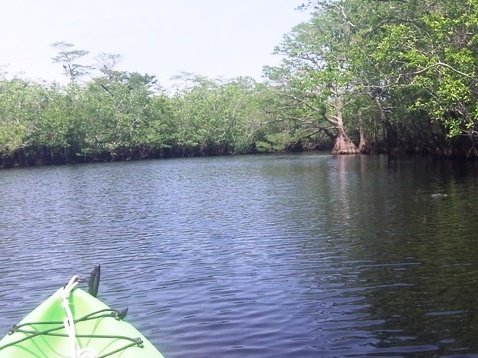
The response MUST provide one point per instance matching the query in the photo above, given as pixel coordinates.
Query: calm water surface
(262, 256)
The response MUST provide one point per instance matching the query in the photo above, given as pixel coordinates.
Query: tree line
(361, 76)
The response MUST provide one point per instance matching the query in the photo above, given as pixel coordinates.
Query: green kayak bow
(73, 323)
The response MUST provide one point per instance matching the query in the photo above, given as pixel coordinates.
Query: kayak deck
(98, 331)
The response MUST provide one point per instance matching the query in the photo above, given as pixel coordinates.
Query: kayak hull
(99, 331)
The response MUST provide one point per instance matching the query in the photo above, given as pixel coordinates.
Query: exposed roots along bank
(343, 145)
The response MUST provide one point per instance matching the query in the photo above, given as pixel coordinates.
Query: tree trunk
(363, 146)
(390, 134)
(343, 144)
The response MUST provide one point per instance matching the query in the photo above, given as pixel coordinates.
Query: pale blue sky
(160, 37)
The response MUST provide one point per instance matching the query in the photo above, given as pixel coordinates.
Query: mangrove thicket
(360, 76)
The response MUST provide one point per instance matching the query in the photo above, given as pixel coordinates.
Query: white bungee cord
(69, 323)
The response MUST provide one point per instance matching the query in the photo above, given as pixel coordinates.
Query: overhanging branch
(442, 64)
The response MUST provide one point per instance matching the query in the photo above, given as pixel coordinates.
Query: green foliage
(319, 75)
(123, 115)
(435, 54)
(416, 59)
(400, 73)
(217, 115)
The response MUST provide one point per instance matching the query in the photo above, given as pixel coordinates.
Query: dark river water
(256, 256)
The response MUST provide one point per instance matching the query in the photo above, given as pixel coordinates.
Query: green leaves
(437, 56)
(218, 116)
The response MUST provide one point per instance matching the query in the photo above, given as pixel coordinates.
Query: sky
(213, 38)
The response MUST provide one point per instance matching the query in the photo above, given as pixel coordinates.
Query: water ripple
(307, 256)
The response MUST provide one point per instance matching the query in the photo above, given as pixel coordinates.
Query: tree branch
(442, 64)
(300, 100)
